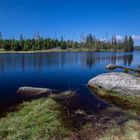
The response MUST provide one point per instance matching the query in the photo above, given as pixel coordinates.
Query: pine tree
(90, 41)
(131, 44)
(21, 43)
(0, 40)
(126, 44)
(0, 36)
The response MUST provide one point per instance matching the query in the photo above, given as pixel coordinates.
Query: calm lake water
(62, 71)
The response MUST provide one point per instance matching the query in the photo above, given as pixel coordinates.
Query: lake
(62, 70)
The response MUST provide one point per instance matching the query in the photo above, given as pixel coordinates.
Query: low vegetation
(63, 117)
(35, 120)
(128, 131)
(130, 104)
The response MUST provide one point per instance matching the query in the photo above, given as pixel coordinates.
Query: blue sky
(70, 18)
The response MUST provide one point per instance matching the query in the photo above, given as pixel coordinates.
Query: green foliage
(89, 42)
(0, 36)
(131, 43)
(126, 70)
(6, 45)
(128, 43)
(138, 67)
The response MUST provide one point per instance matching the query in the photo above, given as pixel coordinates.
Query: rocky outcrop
(122, 83)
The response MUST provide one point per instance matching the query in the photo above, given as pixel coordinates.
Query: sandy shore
(55, 50)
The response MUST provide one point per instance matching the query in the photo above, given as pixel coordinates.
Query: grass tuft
(130, 131)
(36, 120)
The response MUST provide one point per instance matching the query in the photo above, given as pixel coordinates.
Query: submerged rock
(34, 92)
(122, 83)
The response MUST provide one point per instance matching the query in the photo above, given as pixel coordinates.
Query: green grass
(35, 120)
(129, 131)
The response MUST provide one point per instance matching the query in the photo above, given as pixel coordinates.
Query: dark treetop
(89, 42)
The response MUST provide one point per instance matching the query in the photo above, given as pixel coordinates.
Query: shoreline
(64, 116)
(56, 50)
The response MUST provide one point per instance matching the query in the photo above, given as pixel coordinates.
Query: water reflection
(91, 60)
(61, 71)
(36, 62)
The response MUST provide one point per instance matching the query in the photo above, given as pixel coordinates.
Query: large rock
(122, 83)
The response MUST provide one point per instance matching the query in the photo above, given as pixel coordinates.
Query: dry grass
(129, 131)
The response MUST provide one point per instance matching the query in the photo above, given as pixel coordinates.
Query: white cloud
(136, 37)
(103, 39)
(119, 37)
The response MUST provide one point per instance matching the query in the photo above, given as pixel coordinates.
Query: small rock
(110, 66)
(80, 112)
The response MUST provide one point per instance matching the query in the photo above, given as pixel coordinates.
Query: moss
(128, 103)
(126, 70)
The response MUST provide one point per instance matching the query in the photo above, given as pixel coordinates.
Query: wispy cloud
(136, 37)
(119, 37)
(103, 39)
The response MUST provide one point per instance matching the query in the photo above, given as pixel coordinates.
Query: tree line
(89, 42)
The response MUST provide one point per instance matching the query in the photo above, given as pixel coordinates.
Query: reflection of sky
(57, 70)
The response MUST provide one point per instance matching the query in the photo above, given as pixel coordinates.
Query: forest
(89, 42)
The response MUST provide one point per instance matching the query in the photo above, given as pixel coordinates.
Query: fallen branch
(112, 66)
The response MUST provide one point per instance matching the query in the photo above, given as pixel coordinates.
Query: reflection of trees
(35, 62)
(2, 65)
(38, 62)
(92, 59)
(113, 59)
(128, 59)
